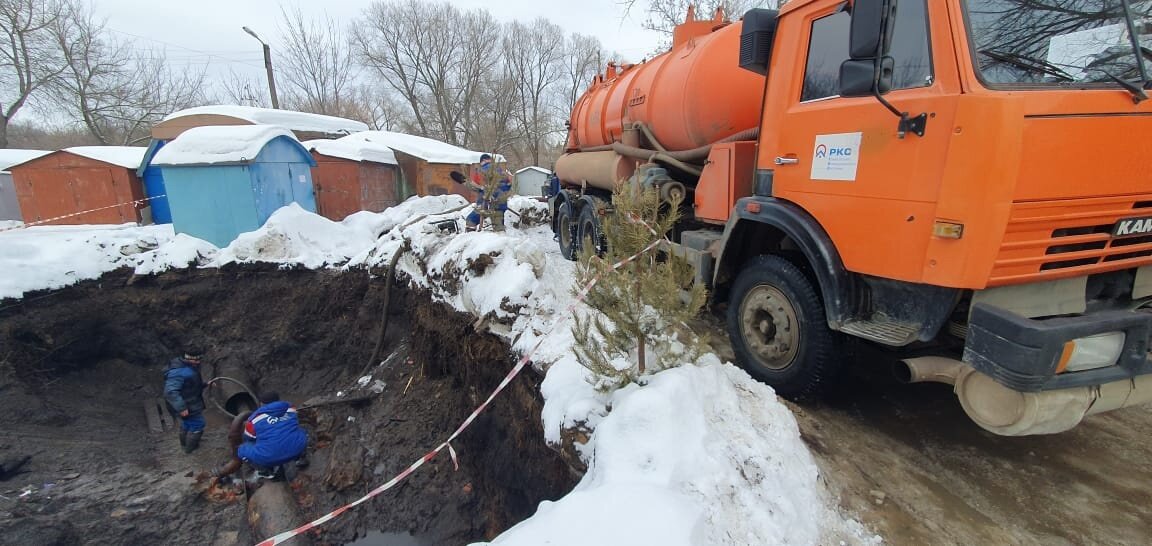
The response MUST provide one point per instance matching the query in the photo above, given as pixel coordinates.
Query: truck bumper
(1024, 354)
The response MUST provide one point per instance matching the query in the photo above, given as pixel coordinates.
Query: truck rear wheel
(590, 234)
(565, 231)
(778, 329)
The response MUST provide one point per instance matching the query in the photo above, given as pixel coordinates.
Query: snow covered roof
(225, 144)
(9, 158)
(537, 169)
(430, 150)
(356, 150)
(288, 119)
(123, 156)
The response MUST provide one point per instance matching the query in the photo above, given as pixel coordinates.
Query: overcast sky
(207, 32)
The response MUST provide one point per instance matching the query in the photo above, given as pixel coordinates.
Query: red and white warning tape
(524, 360)
(81, 213)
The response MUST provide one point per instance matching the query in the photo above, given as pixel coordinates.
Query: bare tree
(115, 93)
(317, 67)
(434, 56)
(243, 89)
(583, 59)
(534, 57)
(28, 59)
(664, 15)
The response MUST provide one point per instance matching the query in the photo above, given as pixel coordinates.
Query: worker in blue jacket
(272, 434)
(184, 392)
(498, 201)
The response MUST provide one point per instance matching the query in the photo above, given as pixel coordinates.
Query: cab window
(828, 48)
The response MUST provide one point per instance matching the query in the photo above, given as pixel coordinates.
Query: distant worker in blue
(184, 392)
(498, 201)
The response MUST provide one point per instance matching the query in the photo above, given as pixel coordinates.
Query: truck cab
(965, 182)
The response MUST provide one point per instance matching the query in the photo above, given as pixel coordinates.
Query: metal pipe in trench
(272, 510)
(233, 394)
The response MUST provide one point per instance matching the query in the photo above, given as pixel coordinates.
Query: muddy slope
(76, 364)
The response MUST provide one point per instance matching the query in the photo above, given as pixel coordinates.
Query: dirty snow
(699, 455)
(123, 156)
(219, 145)
(288, 119)
(356, 150)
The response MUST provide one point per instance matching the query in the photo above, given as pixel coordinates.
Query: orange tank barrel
(691, 96)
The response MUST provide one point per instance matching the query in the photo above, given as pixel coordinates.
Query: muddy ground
(907, 461)
(76, 366)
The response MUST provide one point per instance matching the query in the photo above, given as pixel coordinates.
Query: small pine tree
(644, 305)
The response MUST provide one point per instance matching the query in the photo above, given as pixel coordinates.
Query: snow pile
(123, 156)
(10, 157)
(225, 144)
(356, 150)
(702, 454)
(293, 235)
(432, 151)
(181, 251)
(288, 119)
(43, 257)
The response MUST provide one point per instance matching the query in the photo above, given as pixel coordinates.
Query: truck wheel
(565, 225)
(778, 330)
(590, 234)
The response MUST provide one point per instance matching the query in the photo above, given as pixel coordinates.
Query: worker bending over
(271, 437)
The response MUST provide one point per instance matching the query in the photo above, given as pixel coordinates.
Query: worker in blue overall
(272, 435)
(184, 392)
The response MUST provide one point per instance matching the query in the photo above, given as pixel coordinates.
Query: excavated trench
(79, 366)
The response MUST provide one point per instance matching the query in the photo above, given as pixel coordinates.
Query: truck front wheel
(778, 330)
(565, 230)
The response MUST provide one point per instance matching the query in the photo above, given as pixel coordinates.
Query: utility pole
(267, 67)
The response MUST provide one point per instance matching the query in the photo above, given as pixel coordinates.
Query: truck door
(840, 158)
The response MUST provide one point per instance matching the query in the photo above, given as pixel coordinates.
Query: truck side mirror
(870, 33)
(858, 77)
(756, 34)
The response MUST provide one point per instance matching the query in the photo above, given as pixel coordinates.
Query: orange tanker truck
(965, 182)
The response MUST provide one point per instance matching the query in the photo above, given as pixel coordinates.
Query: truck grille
(1057, 239)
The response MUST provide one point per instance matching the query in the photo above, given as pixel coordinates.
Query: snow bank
(361, 150)
(288, 119)
(432, 151)
(702, 454)
(293, 235)
(219, 145)
(43, 257)
(123, 156)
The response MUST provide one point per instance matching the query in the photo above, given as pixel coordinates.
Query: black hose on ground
(387, 298)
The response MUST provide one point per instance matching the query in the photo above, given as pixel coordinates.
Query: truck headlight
(1091, 352)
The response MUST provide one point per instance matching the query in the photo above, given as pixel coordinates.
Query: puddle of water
(377, 538)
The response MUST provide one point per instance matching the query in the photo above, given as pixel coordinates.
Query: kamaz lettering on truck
(967, 183)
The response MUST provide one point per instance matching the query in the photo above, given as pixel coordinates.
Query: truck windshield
(1060, 42)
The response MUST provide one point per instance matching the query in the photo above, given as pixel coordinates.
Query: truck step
(884, 330)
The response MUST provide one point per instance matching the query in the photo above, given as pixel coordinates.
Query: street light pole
(267, 67)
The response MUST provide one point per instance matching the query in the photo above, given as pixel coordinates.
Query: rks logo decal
(821, 151)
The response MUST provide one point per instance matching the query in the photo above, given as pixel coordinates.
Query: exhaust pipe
(1007, 412)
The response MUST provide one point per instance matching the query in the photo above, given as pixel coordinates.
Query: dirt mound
(76, 364)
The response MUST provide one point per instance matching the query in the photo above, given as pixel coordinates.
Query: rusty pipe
(233, 396)
(272, 510)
